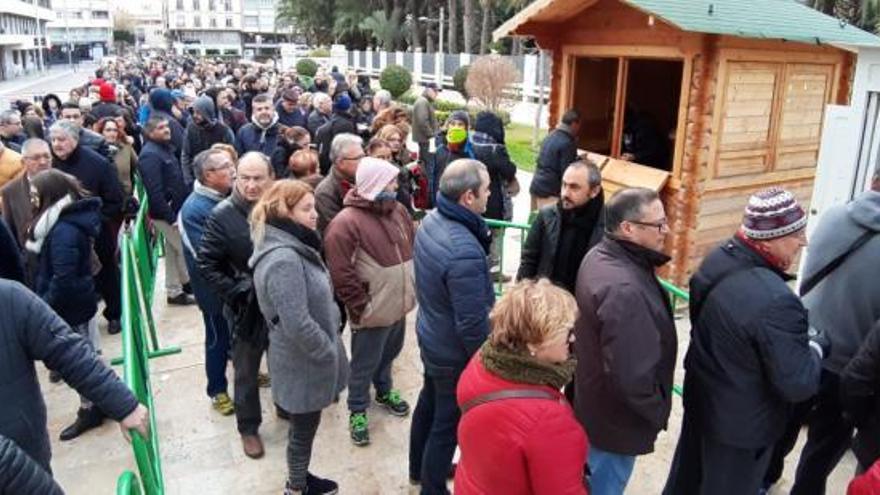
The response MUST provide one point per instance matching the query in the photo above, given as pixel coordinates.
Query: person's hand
(138, 420)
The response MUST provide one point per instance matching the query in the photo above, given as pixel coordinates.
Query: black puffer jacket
(30, 331)
(20, 475)
(339, 123)
(860, 391)
(487, 143)
(557, 152)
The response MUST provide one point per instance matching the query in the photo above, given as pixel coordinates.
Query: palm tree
(486, 28)
(384, 30)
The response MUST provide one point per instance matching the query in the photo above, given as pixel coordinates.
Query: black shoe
(188, 288)
(54, 377)
(315, 485)
(86, 419)
(181, 299)
(114, 327)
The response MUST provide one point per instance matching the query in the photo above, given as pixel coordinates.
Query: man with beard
(203, 131)
(563, 233)
(262, 133)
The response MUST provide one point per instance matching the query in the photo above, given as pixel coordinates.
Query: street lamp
(439, 25)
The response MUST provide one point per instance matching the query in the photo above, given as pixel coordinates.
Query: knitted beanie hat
(342, 102)
(773, 213)
(373, 175)
(107, 93)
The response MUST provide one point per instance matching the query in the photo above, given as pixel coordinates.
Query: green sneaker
(394, 403)
(358, 426)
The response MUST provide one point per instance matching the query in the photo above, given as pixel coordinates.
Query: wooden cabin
(735, 89)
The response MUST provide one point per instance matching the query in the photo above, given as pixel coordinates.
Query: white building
(22, 33)
(84, 25)
(205, 27)
(148, 21)
(259, 35)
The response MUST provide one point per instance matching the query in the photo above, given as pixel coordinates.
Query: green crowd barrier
(139, 251)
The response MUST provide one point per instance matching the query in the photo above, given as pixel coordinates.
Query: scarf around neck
(522, 368)
(762, 251)
(304, 234)
(474, 223)
(45, 223)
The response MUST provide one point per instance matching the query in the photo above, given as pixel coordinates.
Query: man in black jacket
(750, 357)
(203, 131)
(30, 331)
(99, 178)
(323, 106)
(289, 112)
(562, 234)
(558, 150)
(223, 262)
(261, 134)
(71, 112)
(340, 123)
(166, 192)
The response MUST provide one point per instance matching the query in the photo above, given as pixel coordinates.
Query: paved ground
(58, 79)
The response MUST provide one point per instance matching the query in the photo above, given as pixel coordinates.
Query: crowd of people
(291, 209)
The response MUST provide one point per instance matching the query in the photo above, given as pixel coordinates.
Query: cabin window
(629, 107)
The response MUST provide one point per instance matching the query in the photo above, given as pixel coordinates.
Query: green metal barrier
(128, 484)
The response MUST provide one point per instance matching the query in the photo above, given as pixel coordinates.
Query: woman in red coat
(517, 433)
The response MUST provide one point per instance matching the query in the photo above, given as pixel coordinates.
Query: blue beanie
(161, 99)
(342, 103)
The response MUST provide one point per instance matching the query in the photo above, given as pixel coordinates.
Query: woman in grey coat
(308, 362)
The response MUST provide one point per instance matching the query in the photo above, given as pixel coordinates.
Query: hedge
(395, 79)
(307, 67)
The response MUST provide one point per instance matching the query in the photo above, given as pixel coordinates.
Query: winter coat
(11, 266)
(13, 142)
(749, 358)
(97, 176)
(846, 303)
(21, 475)
(488, 147)
(96, 143)
(291, 119)
(424, 122)
(10, 165)
(558, 150)
(860, 393)
(163, 181)
(626, 347)
(453, 290)
(125, 161)
(315, 121)
(64, 277)
(368, 247)
(17, 209)
(308, 362)
(538, 257)
(177, 131)
(517, 446)
(106, 109)
(198, 139)
(233, 118)
(281, 157)
(193, 215)
(30, 331)
(339, 123)
(329, 196)
(253, 138)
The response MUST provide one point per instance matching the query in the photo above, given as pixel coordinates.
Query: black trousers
(108, 281)
(246, 357)
(300, 439)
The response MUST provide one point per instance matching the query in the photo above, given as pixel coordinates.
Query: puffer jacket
(10, 165)
(21, 475)
(558, 150)
(368, 247)
(193, 215)
(252, 137)
(512, 446)
(487, 144)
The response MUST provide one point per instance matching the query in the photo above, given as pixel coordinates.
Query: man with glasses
(11, 134)
(346, 152)
(626, 342)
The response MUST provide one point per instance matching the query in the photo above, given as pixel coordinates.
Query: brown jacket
(17, 210)
(368, 247)
(625, 345)
(10, 165)
(328, 197)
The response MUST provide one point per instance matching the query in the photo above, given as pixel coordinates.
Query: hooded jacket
(557, 152)
(161, 102)
(254, 137)
(198, 138)
(487, 143)
(846, 303)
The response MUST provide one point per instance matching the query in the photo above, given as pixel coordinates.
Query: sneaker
(181, 299)
(263, 380)
(393, 403)
(315, 485)
(358, 427)
(223, 404)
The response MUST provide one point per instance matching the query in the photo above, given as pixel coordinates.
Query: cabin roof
(763, 19)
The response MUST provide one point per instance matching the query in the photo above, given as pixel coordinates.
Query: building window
(212, 22)
(229, 22)
(197, 21)
(179, 4)
(212, 5)
(196, 5)
(251, 21)
(181, 21)
(100, 14)
(227, 5)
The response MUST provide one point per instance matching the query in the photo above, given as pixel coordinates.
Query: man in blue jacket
(166, 192)
(214, 171)
(455, 295)
(261, 134)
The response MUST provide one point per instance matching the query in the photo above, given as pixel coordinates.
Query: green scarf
(523, 368)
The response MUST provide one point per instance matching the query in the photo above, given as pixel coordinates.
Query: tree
(468, 23)
(452, 39)
(488, 79)
(384, 30)
(486, 27)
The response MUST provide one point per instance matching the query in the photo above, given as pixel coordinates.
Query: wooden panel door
(807, 89)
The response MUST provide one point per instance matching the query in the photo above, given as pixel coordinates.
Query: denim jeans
(216, 352)
(434, 432)
(373, 351)
(610, 472)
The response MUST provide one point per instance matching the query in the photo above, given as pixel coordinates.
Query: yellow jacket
(10, 165)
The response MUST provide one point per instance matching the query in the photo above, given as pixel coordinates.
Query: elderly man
(424, 123)
(626, 342)
(321, 114)
(214, 170)
(166, 192)
(346, 152)
(99, 178)
(563, 233)
(454, 293)
(72, 113)
(223, 255)
(11, 134)
(750, 357)
(368, 249)
(262, 133)
(381, 100)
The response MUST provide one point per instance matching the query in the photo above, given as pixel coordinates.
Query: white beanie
(372, 176)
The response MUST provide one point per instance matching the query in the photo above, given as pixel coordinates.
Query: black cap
(431, 85)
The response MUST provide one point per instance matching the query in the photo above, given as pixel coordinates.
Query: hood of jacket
(161, 99)
(84, 214)
(275, 238)
(204, 106)
(491, 124)
(865, 210)
(268, 127)
(355, 200)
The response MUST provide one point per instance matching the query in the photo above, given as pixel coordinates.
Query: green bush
(396, 80)
(459, 80)
(320, 53)
(407, 98)
(307, 67)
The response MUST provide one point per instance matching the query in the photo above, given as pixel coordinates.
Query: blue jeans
(216, 352)
(373, 351)
(610, 472)
(434, 433)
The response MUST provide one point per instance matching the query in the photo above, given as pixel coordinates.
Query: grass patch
(519, 145)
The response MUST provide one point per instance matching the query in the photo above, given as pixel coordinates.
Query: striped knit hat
(773, 213)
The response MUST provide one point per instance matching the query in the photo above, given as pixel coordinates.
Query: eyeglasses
(659, 225)
(354, 158)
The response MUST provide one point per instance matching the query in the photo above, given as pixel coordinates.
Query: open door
(595, 93)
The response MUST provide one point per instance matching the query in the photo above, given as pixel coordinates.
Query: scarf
(204, 190)
(762, 251)
(473, 222)
(305, 235)
(264, 130)
(44, 224)
(522, 368)
(575, 230)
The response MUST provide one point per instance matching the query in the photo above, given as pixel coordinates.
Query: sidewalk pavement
(58, 79)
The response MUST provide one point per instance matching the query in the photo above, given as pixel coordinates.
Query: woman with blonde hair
(303, 165)
(308, 362)
(518, 435)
